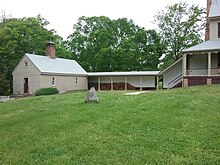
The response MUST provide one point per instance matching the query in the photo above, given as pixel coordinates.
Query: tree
(180, 26)
(20, 36)
(102, 44)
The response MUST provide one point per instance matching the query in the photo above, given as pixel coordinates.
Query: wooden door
(26, 85)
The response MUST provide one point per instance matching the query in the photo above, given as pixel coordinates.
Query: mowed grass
(179, 126)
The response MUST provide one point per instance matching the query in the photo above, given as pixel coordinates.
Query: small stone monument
(91, 96)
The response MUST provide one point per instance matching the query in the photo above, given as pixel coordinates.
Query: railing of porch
(175, 81)
(203, 72)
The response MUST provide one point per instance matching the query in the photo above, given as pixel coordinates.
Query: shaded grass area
(180, 126)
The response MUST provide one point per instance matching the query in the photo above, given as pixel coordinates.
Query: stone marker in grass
(91, 96)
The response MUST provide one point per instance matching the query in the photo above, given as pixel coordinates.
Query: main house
(200, 64)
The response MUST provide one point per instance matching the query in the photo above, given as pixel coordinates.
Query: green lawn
(179, 126)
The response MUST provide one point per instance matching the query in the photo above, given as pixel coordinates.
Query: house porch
(201, 68)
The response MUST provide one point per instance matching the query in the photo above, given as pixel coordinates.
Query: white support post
(157, 82)
(184, 64)
(141, 83)
(111, 84)
(99, 83)
(126, 86)
(209, 64)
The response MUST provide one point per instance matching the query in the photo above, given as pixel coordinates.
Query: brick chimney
(51, 50)
(207, 25)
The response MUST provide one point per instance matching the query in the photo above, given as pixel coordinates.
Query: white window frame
(77, 81)
(53, 81)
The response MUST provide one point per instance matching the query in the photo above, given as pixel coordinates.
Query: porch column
(126, 86)
(99, 84)
(184, 64)
(141, 83)
(209, 79)
(185, 80)
(111, 84)
(209, 64)
(157, 82)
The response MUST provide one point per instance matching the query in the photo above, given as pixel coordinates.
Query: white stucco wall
(198, 64)
(64, 83)
(105, 79)
(147, 81)
(172, 73)
(30, 72)
(118, 79)
(214, 29)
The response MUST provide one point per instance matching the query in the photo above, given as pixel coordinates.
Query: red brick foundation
(193, 81)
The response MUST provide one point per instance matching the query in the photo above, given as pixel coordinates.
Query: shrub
(4, 87)
(46, 91)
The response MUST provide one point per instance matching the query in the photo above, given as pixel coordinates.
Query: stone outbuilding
(34, 72)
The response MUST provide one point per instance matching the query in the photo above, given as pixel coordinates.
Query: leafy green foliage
(180, 26)
(102, 44)
(178, 126)
(20, 36)
(46, 91)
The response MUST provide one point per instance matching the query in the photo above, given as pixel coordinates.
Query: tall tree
(101, 44)
(20, 36)
(181, 26)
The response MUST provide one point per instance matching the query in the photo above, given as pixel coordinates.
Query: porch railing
(175, 81)
(202, 72)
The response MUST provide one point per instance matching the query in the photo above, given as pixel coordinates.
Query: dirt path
(136, 93)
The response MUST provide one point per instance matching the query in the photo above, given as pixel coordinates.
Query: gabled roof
(211, 45)
(214, 9)
(135, 73)
(47, 65)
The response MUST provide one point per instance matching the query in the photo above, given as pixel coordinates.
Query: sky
(62, 15)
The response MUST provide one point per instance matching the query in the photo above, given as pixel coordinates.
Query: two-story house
(200, 64)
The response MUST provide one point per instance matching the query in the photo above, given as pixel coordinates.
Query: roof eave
(122, 74)
(214, 17)
(203, 51)
(63, 74)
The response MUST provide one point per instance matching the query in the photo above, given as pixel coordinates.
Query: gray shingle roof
(58, 65)
(214, 9)
(211, 45)
(136, 73)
